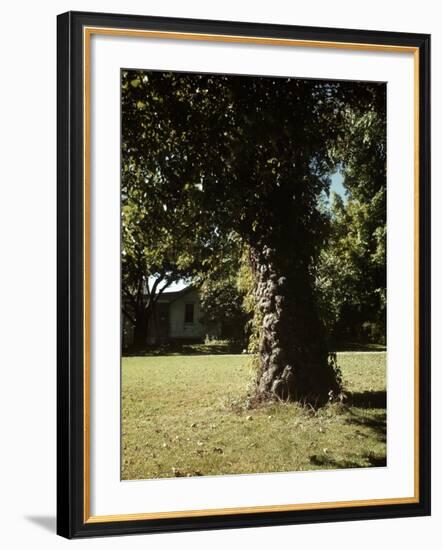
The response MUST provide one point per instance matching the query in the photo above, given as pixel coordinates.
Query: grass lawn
(189, 416)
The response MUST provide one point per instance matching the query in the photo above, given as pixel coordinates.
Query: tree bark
(144, 312)
(294, 362)
(140, 329)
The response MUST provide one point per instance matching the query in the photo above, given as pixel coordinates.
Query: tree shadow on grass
(329, 462)
(193, 348)
(372, 416)
(377, 422)
(338, 464)
(367, 399)
(357, 346)
(377, 461)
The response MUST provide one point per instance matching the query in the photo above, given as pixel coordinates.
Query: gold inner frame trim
(87, 34)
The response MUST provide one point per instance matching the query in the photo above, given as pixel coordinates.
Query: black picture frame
(71, 518)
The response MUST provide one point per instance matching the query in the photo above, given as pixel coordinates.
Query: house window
(188, 313)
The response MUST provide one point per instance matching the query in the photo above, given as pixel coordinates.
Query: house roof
(171, 296)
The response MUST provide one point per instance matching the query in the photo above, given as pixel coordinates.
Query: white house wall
(180, 329)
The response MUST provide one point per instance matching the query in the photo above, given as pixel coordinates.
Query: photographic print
(253, 274)
(243, 271)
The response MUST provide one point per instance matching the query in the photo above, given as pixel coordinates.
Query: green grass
(190, 416)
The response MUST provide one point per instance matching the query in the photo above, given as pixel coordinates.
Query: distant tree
(155, 254)
(159, 243)
(352, 268)
(220, 294)
(256, 154)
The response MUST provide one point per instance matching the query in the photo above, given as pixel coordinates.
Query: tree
(154, 255)
(158, 245)
(352, 267)
(220, 293)
(258, 151)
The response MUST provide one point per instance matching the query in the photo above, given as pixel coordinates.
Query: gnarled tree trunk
(294, 361)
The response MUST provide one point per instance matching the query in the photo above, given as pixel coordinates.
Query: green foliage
(162, 241)
(229, 153)
(351, 275)
(221, 298)
(208, 157)
(246, 284)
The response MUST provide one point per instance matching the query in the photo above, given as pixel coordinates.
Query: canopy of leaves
(235, 150)
(211, 160)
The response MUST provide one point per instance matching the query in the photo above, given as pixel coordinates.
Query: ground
(189, 415)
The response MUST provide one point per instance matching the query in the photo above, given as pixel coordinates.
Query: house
(178, 316)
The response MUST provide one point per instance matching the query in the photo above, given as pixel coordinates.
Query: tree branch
(129, 296)
(168, 283)
(156, 283)
(131, 319)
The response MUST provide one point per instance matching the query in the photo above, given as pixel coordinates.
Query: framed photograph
(243, 274)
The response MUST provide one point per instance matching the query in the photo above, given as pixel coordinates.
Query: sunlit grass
(189, 416)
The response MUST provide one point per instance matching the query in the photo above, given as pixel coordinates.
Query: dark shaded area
(364, 320)
(219, 347)
(48, 523)
(367, 399)
(377, 461)
(357, 346)
(180, 348)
